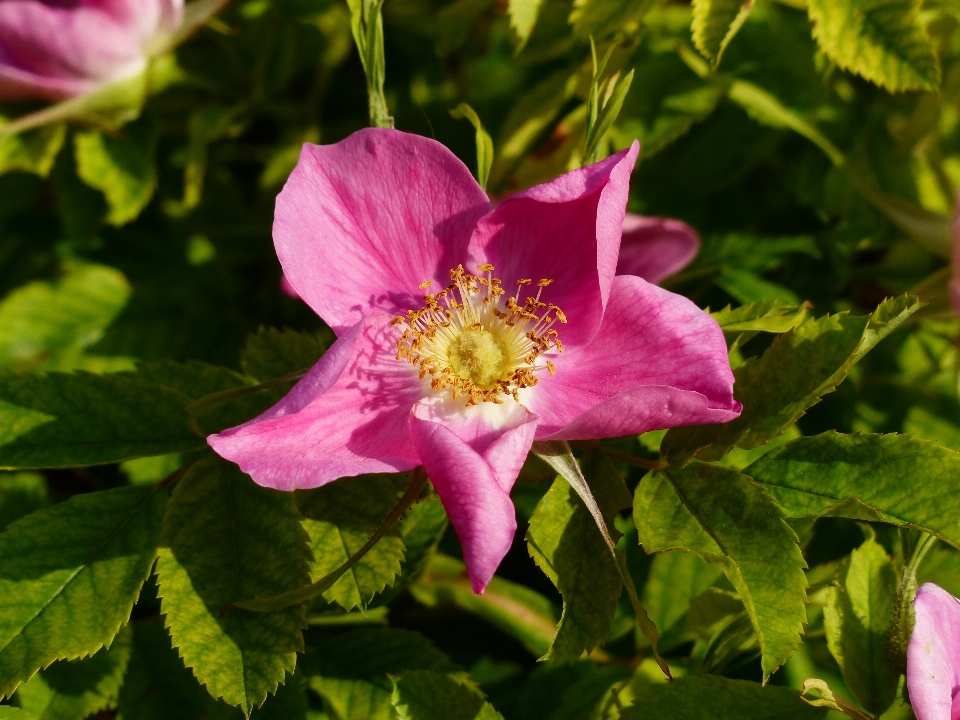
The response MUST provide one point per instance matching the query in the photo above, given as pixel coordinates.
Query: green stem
(201, 407)
(294, 597)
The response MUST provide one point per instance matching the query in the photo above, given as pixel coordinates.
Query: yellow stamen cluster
(474, 339)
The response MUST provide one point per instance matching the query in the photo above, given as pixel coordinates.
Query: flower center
(476, 341)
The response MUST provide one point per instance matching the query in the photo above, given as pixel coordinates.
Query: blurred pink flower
(439, 363)
(933, 655)
(655, 248)
(57, 49)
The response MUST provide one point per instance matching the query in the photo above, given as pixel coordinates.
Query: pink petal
(58, 52)
(658, 361)
(360, 224)
(567, 230)
(655, 248)
(348, 416)
(933, 655)
(473, 466)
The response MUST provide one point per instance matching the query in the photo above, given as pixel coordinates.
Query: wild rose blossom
(933, 655)
(57, 49)
(466, 332)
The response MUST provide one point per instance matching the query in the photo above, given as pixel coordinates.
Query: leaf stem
(418, 479)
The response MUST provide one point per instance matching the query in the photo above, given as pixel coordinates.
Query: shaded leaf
(708, 697)
(516, 609)
(728, 520)
(856, 617)
(894, 478)
(70, 574)
(76, 419)
(715, 23)
(33, 151)
(340, 517)
(483, 140)
(791, 376)
(224, 539)
(121, 166)
(271, 353)
(426, 695)
(21, 493)
(564, 541)
(351, 671)
(884, 41)
(77, 689)
(675, 578)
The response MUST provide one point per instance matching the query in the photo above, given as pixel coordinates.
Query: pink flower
(933, 655)
(57, 49)
(438, 362)
(655, 248)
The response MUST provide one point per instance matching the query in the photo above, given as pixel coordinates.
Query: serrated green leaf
(523, 16)
(122, 167)
(564, 541)
(856, 617)
(21, 493)
(76, 419)
(70, 574)
(708, 697)
(271, 353)
(675, 578)
(894, 478)
(731, 521)
(34, 151)
(351, 671)
(197, 380)
(791, 376)
(340, 518)
(715, 23)
(770, 316)
(516, 609)
(76, 689)
(883, 41)
(48, 325)
(426, 695)
(157, 686)
(224, 539)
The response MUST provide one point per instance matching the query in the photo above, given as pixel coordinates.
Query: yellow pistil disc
(474, 340)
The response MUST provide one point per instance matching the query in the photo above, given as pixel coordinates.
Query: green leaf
(748, 287)
(516, 609)
(894, 478)
(528, 119)
(21, 493)
(47, 325)
(226, 538)
(564, 541)
(523, 16)
(856, 617)
(601, 18)
(340, 517)
(70, 574)
(715, 23)
(427, 695)
(122, 167)
(707, 697)
(271, 353)
(675, 578)
(730, 521)
(34, 151)
(791, 376)
(829, 700)
(600, 122)
(366, 22)
(158, 687)
(351, 671)
(12, 713)
(76, 419)
(883, 41)
(77, 689)
(770, 316)
(483, 139)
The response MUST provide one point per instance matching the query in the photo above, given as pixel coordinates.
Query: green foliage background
(815, 146)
